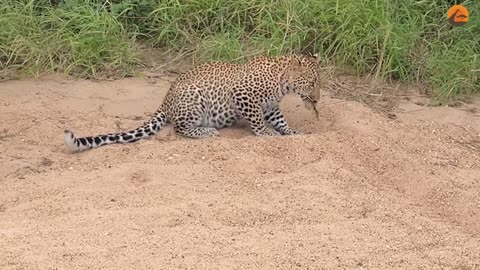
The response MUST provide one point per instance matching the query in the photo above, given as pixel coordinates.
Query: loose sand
(359, 190)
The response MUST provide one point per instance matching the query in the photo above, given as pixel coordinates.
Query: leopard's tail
(149, 128)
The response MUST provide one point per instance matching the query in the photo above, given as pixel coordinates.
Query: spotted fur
(217, 94)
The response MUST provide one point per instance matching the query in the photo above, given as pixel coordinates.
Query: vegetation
(408, 40)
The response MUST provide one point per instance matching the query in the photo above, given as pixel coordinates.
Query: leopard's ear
(295, 62)
(313, 55)
(296, 65)
(315, 58)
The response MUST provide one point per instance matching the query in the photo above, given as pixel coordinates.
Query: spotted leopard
(217, 94)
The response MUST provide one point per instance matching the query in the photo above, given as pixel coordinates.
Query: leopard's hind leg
(190, 114)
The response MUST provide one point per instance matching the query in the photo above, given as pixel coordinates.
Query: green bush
(402, 39)
(74, 39)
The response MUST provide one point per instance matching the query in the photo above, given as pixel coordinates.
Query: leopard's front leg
(251, 110)
(274, 116)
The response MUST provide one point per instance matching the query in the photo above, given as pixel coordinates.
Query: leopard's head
(301, 76)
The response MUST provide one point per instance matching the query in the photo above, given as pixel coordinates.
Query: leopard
(217, 94)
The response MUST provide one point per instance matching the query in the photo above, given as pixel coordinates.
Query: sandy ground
(359, 191)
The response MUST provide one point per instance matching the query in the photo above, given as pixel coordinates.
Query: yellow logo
(457, 15)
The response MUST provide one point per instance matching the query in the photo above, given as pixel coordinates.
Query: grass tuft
(78, 40)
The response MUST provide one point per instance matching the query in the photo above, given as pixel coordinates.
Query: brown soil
(361, 190)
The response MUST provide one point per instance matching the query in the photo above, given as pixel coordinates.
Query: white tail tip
(69, 140)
